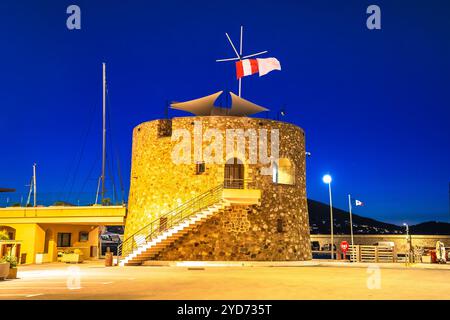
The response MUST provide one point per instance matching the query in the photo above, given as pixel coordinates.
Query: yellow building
(41, 232)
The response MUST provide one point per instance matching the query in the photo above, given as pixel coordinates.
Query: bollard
(108, 258)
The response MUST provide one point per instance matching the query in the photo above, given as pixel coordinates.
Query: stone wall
(277, 229)
(399, 240)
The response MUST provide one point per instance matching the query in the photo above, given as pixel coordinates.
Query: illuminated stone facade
(275, 229)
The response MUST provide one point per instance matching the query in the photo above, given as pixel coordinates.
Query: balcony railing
(231, 183)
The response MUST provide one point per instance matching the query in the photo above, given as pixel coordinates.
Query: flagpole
(351, 221)
(240, 55)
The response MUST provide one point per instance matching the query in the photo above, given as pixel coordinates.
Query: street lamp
(407, 229)
(327, 179)
(407, 240)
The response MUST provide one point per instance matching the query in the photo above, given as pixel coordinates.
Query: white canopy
(205, 106)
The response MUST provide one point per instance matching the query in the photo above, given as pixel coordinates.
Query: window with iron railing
(280, 225)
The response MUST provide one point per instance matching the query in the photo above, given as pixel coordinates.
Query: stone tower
(275, 227)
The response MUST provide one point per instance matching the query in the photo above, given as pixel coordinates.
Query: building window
(84, 236)
(164, 128)
(64, 239)
(280, 225)
(283, 172)
(11, 232)
(200, 167)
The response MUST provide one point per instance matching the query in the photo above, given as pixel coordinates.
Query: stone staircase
(148, 250)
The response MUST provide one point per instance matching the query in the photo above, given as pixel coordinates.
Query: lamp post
(327, 179)
(351, 223)
(408, 243)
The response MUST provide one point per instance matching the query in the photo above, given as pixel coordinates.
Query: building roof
(83, 215)
(205, 106)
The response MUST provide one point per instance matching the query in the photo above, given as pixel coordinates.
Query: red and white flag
(248, 67)
(359, 203)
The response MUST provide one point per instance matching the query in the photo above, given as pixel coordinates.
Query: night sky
(375, 104)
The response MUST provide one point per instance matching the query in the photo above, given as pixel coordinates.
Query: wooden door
(234, 174)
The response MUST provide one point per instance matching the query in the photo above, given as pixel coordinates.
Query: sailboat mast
(34, 186)
(104, 132)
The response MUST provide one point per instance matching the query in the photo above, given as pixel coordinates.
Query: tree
(60, 203)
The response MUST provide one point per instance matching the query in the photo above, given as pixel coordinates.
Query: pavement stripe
(36, 288)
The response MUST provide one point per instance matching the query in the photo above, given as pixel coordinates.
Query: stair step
(147, 255)
(130, 263)
(168, 237)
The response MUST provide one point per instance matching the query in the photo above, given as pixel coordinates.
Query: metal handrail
(232, 183)
(168, 220)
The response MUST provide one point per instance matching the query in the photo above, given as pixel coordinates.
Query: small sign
(344, 246)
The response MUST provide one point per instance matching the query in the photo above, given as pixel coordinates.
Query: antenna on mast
(239, 56)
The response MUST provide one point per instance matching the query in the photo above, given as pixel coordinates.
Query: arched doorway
(234, 174)
(284, 172)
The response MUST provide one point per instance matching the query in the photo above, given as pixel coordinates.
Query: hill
(431, 227)
(319, 221)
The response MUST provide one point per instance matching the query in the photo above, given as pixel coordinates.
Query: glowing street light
(327, 179)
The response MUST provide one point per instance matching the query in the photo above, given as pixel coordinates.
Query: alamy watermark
(73, 278)
(373, 22)
(374, 277)
(249, 146)
(73, 21)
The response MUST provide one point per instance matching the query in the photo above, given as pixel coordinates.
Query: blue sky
(375, 105)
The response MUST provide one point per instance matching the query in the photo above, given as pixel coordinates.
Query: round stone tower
(168, 172)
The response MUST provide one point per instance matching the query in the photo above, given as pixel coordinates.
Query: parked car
(327, 247)
(110, 240)
(315, 246)
(115, 237)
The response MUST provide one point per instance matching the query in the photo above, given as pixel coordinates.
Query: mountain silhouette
(319, 222)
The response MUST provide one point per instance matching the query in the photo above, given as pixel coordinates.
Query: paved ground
(61, 281)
